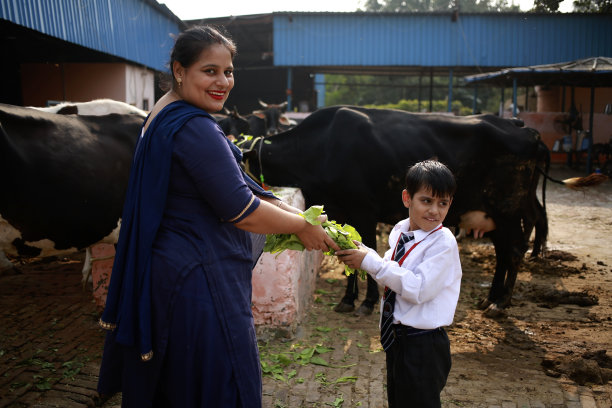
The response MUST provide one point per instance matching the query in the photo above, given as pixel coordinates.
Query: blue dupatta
(128, 303)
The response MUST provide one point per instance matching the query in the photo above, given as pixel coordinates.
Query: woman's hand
(322, 218)
(311, 237)
(276, 217)
(315, 237)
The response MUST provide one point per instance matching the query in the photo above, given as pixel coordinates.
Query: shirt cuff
(372, 262)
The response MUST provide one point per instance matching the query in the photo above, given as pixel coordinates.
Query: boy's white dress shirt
(428, 282)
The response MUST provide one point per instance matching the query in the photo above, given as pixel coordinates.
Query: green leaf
(284, 360)
(42, 383)
(346, 379)
(320, 349)
(312, 214)
(318, 361)
(337, 402)
(305, 355)
(265, 368)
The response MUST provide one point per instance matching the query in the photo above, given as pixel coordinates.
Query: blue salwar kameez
(179, 304)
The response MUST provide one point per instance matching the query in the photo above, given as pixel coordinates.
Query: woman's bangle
(280, 204)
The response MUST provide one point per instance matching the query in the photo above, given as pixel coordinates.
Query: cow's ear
(259, 114)
(283, 120)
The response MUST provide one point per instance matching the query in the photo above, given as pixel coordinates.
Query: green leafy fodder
(343, 236)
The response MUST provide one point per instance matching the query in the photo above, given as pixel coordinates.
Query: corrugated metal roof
(596, 71)
(435, 39)
(137, 30)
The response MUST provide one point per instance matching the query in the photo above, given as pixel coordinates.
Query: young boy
(422, 274)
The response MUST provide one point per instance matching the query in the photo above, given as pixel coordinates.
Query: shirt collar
(403, 226)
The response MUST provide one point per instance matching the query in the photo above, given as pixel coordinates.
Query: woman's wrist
(286, 207)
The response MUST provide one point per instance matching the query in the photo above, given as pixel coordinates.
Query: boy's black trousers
(417, 368)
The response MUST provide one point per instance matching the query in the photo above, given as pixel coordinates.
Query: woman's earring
(179, 81)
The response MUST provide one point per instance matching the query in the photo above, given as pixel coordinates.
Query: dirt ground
(561, 317)
(551, 348)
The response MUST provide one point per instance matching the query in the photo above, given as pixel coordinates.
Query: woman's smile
(218, 95)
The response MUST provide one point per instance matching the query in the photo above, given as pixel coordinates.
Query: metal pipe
(589, 164)
(514, 108)
(450, 91)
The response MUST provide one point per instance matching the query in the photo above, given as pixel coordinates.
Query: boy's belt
(400, 330)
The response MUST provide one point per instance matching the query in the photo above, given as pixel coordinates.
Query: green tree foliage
(380, 90)
(593, 6)
(546, 6)
(437, 106)
(439, 5)
(580, 6)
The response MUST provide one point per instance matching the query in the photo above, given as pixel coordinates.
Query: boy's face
(426, 211)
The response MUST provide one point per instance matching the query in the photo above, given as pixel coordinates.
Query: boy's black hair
(431, 174)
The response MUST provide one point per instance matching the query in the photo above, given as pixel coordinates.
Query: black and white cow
(64, 177)
(353, 161)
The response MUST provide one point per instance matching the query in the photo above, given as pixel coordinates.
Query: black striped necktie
(386, 331)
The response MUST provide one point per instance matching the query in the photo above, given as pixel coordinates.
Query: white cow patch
(8, 234)
(97, 107)
(5, 264)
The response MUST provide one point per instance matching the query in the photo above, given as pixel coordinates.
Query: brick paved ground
(49, 340)
(50, 348)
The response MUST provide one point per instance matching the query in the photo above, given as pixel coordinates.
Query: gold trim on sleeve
(147, 356)
(244, 210)
(106, 326)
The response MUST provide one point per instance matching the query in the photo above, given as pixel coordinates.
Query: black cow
(269, 120)
(232, 123)
(353, 161)
(64, 178)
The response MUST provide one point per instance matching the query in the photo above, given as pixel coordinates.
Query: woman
(179, 301)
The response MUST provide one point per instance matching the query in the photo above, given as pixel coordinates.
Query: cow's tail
(578, 183)
(543, 156)
(540, 216)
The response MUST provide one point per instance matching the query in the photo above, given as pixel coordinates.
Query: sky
(195, 9)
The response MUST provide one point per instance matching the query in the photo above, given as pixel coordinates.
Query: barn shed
(581, 119)
(57, 50)
(284, 55)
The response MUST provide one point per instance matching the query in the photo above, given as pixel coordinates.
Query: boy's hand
(352, 257)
